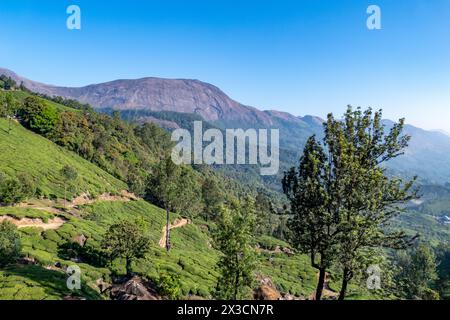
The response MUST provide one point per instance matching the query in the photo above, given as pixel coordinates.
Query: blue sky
(302, 56)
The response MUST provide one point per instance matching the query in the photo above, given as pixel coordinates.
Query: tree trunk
(168, 229)
(346, 276)
(320, 283)
(128, 266)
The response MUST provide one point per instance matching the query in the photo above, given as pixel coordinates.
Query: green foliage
(174, 187)
(152, 136)
(169, 285)
(129, 153)
(68, 173)
(41, 160)
(10, 245)
(313, 227)
(125, 240)
(34, 282)
(115, 146)
(69, 176)
(212, 197)
(367, 198)
(443, 269)
(417, 273)
(234, 239)
(342, 199)
(70, 103)
(14, 190)
(8, 108)
(72, 132)
(265, 214)
(38, 115)
(7, 83)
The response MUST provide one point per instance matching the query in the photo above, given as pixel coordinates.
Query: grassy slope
(192, 257)
(24, 151)
(21, 96)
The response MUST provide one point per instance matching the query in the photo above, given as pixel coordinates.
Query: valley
(115, 153)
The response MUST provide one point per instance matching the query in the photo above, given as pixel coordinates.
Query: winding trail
(178, 223)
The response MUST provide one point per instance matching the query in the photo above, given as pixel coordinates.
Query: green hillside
(27, 152)
(105, 152)
(49, 252)
(192, 257)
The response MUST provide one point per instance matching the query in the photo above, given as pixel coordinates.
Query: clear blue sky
(302, 56)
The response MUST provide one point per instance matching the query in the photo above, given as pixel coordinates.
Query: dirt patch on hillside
(85, 198)
(178, 223)
(51, 224)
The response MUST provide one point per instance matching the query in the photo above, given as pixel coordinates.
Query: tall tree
(234, 238)
(341, 197)
(11, 106)
(126, 240)
(265, 213)
(175, 188)
(212, 197)
(312, 225)
(8, 108)
(69, 175)
(365, 198)
(2, 106)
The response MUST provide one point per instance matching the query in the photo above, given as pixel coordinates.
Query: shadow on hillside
(86, 254)
(54, 283)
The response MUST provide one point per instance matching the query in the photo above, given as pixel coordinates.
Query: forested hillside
(75, 183)
(63, 221)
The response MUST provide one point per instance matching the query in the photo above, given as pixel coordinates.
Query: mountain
(150, 99)
(155, 94)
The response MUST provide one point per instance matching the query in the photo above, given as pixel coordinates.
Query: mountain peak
(155, 94)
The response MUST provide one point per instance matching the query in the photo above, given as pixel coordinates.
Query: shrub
(11, 192)
(169, 285)
(10, 245)
(38, 116)
(15, 190)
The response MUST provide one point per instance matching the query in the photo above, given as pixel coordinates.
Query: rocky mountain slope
(428, 155)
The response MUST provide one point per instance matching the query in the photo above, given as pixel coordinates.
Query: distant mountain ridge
(157, 94)
(427, 156)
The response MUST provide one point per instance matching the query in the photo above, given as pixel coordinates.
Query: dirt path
(50, 207)
(84, 198)
(52, 224)
(178, 223)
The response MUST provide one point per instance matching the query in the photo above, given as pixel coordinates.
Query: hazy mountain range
(428, 155)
